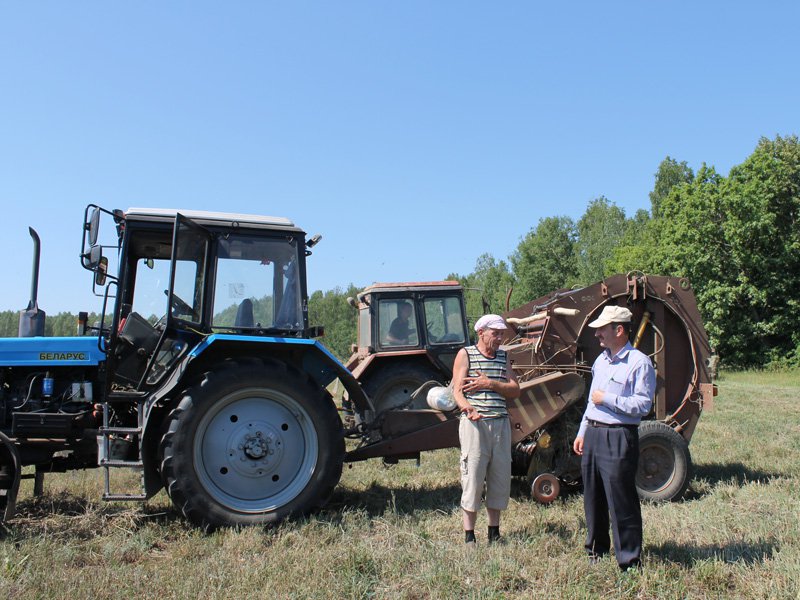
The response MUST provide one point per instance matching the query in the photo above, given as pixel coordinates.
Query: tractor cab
(408, 333)
(185, 275)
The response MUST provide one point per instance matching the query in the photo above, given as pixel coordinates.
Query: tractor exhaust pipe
(31, 320)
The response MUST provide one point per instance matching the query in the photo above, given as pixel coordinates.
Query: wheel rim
(545, 488)
(255, 450)
(656, 467)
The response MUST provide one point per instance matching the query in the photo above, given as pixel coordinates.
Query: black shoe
(493, 534)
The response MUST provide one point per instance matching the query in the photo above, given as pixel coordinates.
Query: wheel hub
(651, 467)
(255, 449)
(256, 446)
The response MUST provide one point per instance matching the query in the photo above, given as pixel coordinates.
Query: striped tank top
(490, 405)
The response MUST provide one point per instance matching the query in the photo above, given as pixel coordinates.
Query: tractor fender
(375, 362)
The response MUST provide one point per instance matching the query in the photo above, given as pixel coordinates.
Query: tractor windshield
(257, 284)
(445, 320)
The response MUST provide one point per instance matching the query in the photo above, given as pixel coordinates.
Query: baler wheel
(664, 462)
(545, 488)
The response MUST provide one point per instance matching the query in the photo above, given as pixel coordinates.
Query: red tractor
(408, 333)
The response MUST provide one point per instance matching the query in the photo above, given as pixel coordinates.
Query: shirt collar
(619, 356)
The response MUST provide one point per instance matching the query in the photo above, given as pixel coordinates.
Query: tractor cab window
(444, 320)
(151, 287)
(257, 284)
(397, 323)
(363, 328)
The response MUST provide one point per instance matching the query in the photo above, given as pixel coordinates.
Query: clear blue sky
(414, 136)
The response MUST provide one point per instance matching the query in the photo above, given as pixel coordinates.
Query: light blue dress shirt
(629, 383)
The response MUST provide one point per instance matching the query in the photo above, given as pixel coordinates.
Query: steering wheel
(179, 306)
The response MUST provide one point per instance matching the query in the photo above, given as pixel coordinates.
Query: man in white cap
(482, 382)
(623, 384)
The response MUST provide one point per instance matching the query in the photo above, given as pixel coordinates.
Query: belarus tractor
(202, 373)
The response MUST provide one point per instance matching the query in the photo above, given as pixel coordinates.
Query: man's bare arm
(460, 370)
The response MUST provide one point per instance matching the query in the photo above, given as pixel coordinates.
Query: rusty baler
(552, 351)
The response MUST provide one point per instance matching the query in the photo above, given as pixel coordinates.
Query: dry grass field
(395, 532)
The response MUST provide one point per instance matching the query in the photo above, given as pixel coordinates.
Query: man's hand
(475, 384)
(471, 412)
(577, 446)
(597, 397)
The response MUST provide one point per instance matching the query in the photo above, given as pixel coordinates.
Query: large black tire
(252, 442)
(664, 463)
(391, 386)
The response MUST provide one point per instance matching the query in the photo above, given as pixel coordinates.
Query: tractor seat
(244, 314)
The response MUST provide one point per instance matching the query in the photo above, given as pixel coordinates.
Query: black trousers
(608, 466)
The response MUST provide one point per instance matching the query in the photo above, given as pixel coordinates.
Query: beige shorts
(485, 459)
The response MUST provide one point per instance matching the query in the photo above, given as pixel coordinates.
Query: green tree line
(737, 238)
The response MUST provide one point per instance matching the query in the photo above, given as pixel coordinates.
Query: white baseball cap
(490, 322)
(612, 314)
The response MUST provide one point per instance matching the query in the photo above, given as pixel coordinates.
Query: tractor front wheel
(252, 442)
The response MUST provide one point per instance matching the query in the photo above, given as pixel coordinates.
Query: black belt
(611, 425)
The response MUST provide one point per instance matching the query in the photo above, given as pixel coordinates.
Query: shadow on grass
(380, 499)
(717, 473)
(80, 515)
(748, 553)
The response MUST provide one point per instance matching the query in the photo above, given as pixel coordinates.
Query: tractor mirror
(93, 226)
(100, 270)
(92, 258)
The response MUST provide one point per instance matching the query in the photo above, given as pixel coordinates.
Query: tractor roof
(211, 218)
(413, 286)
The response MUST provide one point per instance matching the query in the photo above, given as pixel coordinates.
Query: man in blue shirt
(623, 385)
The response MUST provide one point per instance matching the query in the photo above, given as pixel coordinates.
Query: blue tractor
(203, 373)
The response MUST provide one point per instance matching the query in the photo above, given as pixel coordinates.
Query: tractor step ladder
(107, 433)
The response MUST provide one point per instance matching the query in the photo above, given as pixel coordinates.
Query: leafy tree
(545, 259)
(600, 231)
(670, 174)
(486, 288)
(738, 239)
(331, 310)
(637, 249)
(63, 324)
(9, 323)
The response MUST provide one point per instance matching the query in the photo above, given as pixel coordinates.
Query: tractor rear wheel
(664, 462)
(390, 387)
(252, 442)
